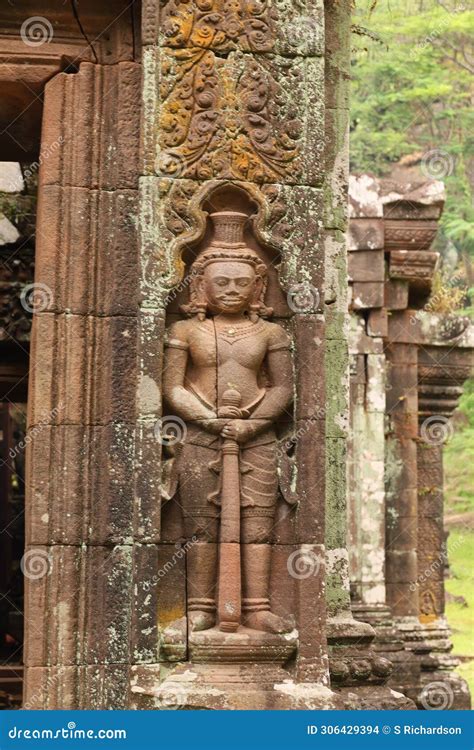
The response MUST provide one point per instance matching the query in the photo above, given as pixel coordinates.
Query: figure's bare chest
(212, 346)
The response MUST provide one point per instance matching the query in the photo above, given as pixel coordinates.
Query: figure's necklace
(234, 331)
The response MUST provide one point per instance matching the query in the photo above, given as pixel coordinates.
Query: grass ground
(459, 515)
(461, 583)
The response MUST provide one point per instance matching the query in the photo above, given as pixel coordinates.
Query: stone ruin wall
(111, 256)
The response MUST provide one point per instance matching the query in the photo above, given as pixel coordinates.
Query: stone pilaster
(81, 525)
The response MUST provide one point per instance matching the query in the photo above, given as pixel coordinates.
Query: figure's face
(230, 286)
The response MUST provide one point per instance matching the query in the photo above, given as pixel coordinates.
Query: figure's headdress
(227, 244)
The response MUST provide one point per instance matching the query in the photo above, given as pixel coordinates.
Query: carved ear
(258, 288)
(199, 283)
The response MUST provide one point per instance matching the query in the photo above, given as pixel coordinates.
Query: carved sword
(230, 575)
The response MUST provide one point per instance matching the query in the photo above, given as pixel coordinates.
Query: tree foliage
(413, 93)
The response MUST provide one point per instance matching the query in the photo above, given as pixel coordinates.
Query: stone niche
(251, 563)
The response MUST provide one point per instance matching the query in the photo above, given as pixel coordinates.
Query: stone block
(396, 294)
(86, 251)
(100, 105)
(294, 134)
(75, 605)
(66, 349)
(366, 234)
(366, 266)
(367, 294)
(309, 355)
(80, 484)
(377, 323)
(337, 388)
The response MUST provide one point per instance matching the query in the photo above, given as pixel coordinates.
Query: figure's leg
(256, 563)
(259, 496)
(200, 519)
(201, 567)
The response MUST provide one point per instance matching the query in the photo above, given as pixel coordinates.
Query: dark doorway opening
(18, 187)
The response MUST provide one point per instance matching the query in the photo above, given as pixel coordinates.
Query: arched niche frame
(285, 227)
(228, 197)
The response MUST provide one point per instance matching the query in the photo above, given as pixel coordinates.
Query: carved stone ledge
(364, 668)
(228, 686)
(417, 266)
(258, 27)
(409, 234)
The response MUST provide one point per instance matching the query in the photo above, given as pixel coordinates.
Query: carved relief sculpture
(228, 376)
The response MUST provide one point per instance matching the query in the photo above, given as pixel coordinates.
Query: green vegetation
(461, 584)
(412, 108)
(412, 103)
(459, 457)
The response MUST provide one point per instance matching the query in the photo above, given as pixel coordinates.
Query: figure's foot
(269, 623)
(177, 631)
(200, 620)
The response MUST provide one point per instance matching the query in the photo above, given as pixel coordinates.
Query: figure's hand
(229, 412)
(239, 430)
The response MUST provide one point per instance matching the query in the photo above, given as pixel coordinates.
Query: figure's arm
(182, 402)
(279, 395)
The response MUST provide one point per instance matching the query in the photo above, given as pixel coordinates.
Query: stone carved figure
(228, 375)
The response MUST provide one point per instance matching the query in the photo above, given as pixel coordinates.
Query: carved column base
(359, 672)
(423, 669)
(228, 687)
(440, 687)
(245, 645)
(374, 698)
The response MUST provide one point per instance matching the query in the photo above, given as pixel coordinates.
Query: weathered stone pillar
(400, 591)
(354, 666)
(81, 520)
(366, 461)
(445, 361)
